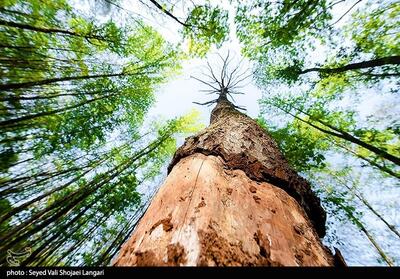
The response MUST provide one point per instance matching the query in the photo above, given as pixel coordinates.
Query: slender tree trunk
(371, 162)
(47, 30)
(27, 84)
(344, 135)
(390, 60)
(160, 7)
(377, 214)
(51, 112)
(230, 199)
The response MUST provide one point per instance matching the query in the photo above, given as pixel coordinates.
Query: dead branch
(226, 82)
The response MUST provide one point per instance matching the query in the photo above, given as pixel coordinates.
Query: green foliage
(5, 206)
(281, 38)
(301, 147)
(316, 103)
(92, 95)
(338, 200)
(205, 26)
(75, 145)
(329, 129)
(265, 28)
(376, 30)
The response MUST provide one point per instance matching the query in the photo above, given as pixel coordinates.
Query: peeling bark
(244, 145)
(214, 220)
(230, 199)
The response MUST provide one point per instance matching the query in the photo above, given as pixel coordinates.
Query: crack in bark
(243, 145)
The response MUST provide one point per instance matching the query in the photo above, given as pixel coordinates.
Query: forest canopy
(83, 153)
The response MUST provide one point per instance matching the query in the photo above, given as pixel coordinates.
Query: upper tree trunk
(230, 199)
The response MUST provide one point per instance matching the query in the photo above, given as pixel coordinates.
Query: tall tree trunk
(230, 199)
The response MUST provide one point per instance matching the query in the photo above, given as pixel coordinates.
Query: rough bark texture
(230, 199)
(244, 145)
(208, 215)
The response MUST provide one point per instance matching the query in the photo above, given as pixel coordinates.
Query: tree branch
(168, 13)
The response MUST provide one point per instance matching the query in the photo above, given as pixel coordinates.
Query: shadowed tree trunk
(230, 199)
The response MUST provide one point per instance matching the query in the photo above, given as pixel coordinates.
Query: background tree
(318, 76)
(74, 147)
(202, 24)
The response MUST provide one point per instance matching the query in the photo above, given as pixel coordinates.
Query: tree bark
(230, 199)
